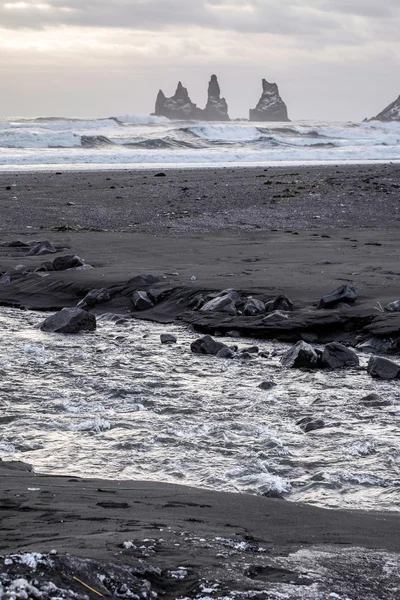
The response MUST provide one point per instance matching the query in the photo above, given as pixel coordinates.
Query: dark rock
(17, 244)
(270, 107)
(301, 355)
(226, 301)
(44, 267)
(160, 175)
(216, 108)
(142, 280)
(337, 356)
(390, 113)
(94, 297)
(267, 385)
(252, 349)
(226, 353)
(314, 425)
(253, 307)
(282, 303)
(246, 356)
(69, 261)
(141, 301)
(42, 248)
(264, 354)
(69, 320)
(275, 317)
(345, 293)
(393, 306)
(179, 106)
(374, 401)
(168, 338)
(379, 345)
(206, 345)
(382, 368)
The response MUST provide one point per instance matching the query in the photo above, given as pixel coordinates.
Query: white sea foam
(136, 141)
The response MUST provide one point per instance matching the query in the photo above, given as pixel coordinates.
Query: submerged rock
(69, 320)
(267, 385)
(216, 108)
(226, 353)
(337, 356)
(270, 107)
(382, 368)
(168, 338)
(301, 355)
(69, 261)
(379, 345)
(390, 113)
(141, 301)
(179, 106)
(207, 345)
(345, 293)
(374, 401)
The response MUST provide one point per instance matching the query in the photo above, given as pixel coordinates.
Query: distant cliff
(270, 107)
(180, 106)
(390, 113)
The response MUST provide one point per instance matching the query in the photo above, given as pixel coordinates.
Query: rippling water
(118, 404)
(131, 141)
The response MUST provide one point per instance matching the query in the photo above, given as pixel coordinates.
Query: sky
(332, 59)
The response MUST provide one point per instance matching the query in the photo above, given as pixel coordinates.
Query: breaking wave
(131, 139)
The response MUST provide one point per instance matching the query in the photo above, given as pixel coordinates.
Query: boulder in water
(337, 356)
(345, 293)
(168, 338)
(382, 368)
(393, 306)
(270, 107)
(301, 355)
(226, 353)
(206, 345)
(69, 320)
(216, 108)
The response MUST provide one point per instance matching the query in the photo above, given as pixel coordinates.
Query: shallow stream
(118, 404)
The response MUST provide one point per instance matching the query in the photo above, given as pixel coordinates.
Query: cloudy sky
(332, 59)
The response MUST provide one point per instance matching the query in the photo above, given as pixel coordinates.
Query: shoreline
(227, 230)
(192, 539)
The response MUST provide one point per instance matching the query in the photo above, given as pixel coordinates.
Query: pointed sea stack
(216, 108)
(270, 107)
(179, 106)
(390, 113)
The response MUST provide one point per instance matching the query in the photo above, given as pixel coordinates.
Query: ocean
(139, 142)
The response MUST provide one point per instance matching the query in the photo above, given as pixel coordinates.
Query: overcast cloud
(333, 59)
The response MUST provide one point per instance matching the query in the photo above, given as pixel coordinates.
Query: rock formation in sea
(216, 108)
(179, 106)
(270, 107)
(390, 113)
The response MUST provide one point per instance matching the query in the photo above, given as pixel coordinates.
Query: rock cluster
(270, 107)
(179, 106)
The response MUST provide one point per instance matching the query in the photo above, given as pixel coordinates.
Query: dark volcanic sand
(301, 231)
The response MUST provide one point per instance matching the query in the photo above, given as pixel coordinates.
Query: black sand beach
(296, 231)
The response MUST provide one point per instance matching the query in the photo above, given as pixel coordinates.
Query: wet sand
(298, 231)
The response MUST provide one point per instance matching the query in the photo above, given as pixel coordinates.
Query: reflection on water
(119, 404)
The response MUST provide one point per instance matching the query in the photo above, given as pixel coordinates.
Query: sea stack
(270, 107)
(390, 113)
(216, 108)
(179, 106)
